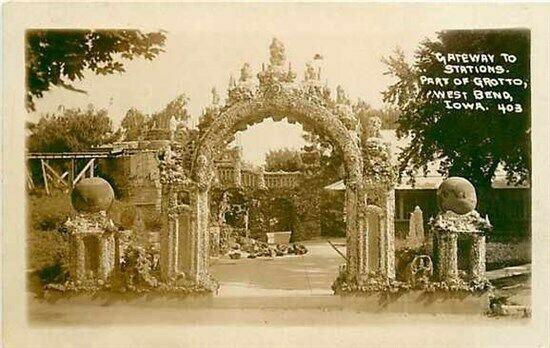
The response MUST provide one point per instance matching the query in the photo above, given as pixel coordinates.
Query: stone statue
(174, 123)
(215, 96)
(246, 73)
(277, 52)
(224, 207)
(310, 73)
(341, 97)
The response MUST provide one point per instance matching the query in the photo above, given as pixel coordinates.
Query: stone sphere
(456, 194)
(92, 195)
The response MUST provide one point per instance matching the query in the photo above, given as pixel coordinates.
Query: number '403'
(507, 108)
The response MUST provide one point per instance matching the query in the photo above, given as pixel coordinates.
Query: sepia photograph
(276, 166)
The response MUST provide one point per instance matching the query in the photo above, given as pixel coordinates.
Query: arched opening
(191, 168)
(221, 132)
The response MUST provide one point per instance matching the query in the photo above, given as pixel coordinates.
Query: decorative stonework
(457, 199)
(92, 238)
(275, 93)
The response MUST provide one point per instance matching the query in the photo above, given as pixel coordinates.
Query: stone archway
(315, 117)
(185, 234)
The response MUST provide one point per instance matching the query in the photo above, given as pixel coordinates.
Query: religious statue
(341, 97)
(215, 96)
(277, 52)
(246, 73)
(173, 126)
(310, 73)
(224, 207)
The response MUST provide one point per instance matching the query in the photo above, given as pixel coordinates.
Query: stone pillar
(203, 221)
(389, 230)
(78, 267)
(183, 241)
(176, 242)
(237, 172)
(116, 263)
(354, 240)
(477, 257)
(167, 267)
(375, 239)
(195, 265)
(106, 255)
(447, 267)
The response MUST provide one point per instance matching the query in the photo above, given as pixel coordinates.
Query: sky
(206, 44)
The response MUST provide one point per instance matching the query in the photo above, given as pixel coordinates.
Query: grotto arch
(312, 117)
(275, 94)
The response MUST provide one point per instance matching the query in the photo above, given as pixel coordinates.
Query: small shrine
(92, 234)
(457, 218)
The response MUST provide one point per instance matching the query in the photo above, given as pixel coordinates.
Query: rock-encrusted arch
(189, 167)
(296, 109)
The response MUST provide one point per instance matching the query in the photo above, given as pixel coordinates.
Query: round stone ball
(92, 195)
(456, 194)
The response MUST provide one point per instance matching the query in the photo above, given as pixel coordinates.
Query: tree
(468, 143)
(59, 57)
(176, 108)
(283, 159)
(387, 114)
(134, 125)
(138, 126)
(71, 130)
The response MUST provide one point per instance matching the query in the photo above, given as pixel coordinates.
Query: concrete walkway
(292, 275)
(509, 272)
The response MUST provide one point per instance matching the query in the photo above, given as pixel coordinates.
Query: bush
(56, 273)
(139, 267)
(508, 254)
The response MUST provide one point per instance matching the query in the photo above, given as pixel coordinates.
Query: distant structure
(232, 172)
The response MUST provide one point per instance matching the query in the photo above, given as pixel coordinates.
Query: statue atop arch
(277, 53)
(246, 73)
(215, 97)
(311, 74)
(341, 97)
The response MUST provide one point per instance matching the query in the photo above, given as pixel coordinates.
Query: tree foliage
(60, 57)
(71, 130)
(283, 160)
(137, 125)
(134, 124)
(387, 114)
(468, 143)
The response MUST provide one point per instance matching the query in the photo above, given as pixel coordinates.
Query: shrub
(56, 273)
(139, 267)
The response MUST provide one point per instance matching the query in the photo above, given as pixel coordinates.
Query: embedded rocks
(254, 248)
(235, 255)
